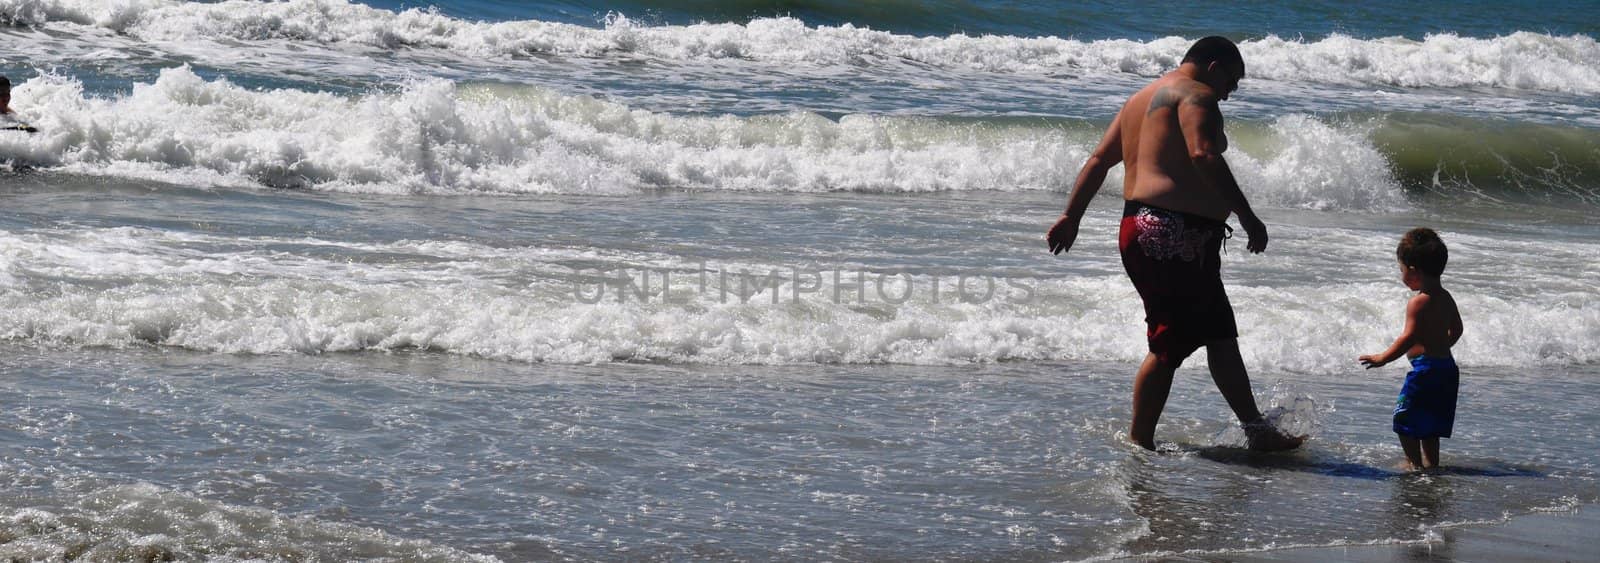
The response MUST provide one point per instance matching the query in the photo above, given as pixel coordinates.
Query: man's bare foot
(1263, 437)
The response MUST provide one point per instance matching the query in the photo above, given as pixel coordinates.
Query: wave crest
(1521, 60)
(436, 137)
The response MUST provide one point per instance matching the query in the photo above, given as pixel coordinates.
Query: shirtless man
(1179, 193)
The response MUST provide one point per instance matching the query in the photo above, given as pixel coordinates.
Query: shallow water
(418, 455)
(226, 373)
(318, 280)
(735, 278)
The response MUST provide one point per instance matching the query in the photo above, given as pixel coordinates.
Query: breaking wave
(1520, 60)
(437, 137)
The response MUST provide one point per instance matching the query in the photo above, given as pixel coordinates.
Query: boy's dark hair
(1215, 48)
(1422, 249)
(5, 82)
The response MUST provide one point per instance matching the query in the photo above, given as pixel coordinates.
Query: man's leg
(1150, 389)
(1227, 371)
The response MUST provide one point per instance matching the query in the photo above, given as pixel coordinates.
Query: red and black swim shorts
(1175, 261)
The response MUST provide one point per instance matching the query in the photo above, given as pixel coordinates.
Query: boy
(1426, 409)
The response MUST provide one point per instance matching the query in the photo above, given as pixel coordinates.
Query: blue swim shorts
(1427, 404)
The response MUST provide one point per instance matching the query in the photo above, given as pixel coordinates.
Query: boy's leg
(1413, 449)
(1430, 452)
(1228, 372)
(1150, 389)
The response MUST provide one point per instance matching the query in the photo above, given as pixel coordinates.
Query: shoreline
(1564, 535)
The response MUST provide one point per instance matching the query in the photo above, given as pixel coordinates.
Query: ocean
(476, 281)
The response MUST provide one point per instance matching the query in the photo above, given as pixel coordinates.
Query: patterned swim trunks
(1175, 261)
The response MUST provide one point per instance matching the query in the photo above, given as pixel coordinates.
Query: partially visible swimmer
(8, 117)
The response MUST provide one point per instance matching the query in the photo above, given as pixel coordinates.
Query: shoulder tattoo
(1165, 97)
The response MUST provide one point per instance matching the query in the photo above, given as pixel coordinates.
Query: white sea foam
(1522, 60)
(1312, 164)
(146, 522)
(437, 138)
(137, 287)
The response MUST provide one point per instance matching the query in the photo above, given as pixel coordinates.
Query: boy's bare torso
(1437, 323)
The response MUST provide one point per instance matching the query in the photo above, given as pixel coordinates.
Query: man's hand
(1371, 361)
(1257, 232)
(1062, 234)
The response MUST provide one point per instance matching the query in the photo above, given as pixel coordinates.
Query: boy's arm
(1093, 174)
(1455, 325)
(1407, 335)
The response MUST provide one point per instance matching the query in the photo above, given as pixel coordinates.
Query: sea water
(475, 281)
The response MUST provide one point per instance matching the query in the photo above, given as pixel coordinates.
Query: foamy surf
(435, 137)
(133, 288)
(144, 522)
(1523, 60)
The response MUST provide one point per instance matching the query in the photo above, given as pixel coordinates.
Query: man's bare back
(1169, 134)
(1159, 170)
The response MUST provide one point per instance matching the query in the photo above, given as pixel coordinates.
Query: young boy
(1426, 409)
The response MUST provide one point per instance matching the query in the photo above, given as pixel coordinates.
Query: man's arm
(1090, 178)
(1408, 336)
(1201, 121)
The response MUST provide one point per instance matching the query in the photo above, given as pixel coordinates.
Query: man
(8, 118)
(1178, 193)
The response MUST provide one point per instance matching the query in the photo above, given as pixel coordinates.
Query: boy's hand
(1371, 361)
